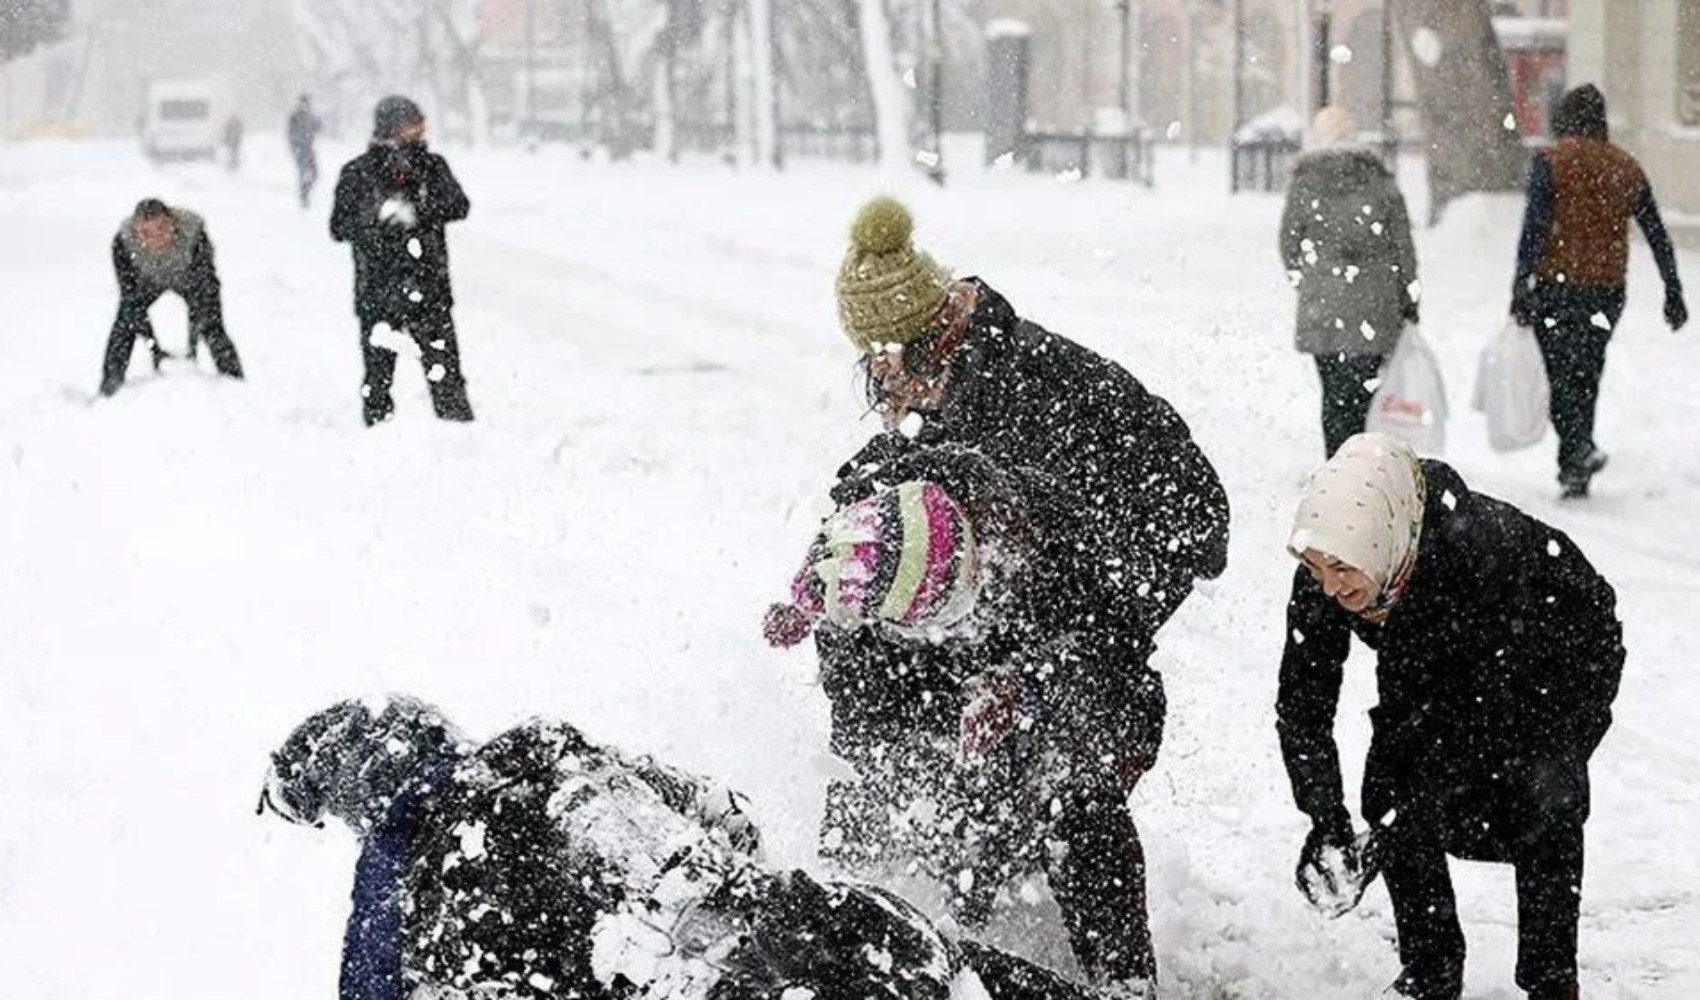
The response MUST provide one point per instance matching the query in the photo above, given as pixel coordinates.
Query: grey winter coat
(1346, 239)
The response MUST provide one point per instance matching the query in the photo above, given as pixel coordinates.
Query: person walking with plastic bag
(1498, 655)
(1572, 262)
(1346, 244)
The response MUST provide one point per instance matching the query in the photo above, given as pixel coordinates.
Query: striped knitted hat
(903, 557)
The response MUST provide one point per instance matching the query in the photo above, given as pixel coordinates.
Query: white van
(178, 123)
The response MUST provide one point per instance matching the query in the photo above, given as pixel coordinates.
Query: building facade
(1645, 55)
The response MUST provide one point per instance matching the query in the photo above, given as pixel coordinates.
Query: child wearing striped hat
(903, 559)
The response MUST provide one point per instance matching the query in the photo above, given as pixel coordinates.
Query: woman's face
(901, 387)
(1347, 586)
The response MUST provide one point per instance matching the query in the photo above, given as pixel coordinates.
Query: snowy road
(190, 568)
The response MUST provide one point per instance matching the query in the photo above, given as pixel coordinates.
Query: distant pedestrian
(1572, 265)
(392, 203)
(1346, 244)
(303, 129)
(163, 249)
(233, 143)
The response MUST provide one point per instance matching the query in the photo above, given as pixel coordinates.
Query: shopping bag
(1512, 389)
(1410, 399)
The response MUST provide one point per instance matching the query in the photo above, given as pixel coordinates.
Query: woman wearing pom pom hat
(1498, 653)
(1096, 489)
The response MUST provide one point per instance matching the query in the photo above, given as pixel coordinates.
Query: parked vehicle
(179, 123)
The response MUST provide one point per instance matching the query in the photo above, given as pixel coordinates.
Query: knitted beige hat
(887, 290)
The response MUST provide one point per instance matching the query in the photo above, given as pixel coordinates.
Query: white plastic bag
(1410, 401)
(1512, 389)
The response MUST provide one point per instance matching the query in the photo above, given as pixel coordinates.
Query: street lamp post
(1322, 54)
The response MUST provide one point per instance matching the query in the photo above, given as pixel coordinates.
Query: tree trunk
(763, 74)
(891, 103)
(1465, 96)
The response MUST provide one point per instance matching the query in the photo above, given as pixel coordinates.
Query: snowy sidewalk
(190, 568)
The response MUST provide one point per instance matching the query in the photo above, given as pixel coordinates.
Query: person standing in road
(392, 203)
(303, 130)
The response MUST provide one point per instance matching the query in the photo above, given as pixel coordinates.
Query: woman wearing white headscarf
(1498, 655)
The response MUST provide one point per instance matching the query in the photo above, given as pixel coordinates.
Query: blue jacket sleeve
(1653, 227)
(1537, 223)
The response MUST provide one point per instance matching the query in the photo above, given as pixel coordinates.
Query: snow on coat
(542, 866)
(392, 203)
(1346, 242)
(1496, 670)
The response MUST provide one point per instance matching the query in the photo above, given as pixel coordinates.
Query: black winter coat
(400, 270)
(1496, 672)
(1126, 512)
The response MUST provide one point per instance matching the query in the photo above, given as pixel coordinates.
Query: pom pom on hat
(888, 292)
(882, 226)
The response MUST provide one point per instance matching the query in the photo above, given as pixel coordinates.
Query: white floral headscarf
(1364, 507)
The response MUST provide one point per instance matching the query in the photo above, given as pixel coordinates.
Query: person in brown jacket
(1572, 261)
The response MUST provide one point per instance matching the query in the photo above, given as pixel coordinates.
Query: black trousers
(1573, 325)
(895, 717)
(439, 354)
(1346, 394)
(1548, 868)
(206, 325)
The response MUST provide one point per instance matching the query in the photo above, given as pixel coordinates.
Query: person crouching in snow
(989, 740)
(1134, 514)
(162, 249)
(1498, 656)
(543, 865)
(392, 205)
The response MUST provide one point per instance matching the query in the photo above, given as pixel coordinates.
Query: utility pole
(1193, 28)
(1323, 54)
(531, 70)
(935, 170)
(1237, 118)
(1389, 141)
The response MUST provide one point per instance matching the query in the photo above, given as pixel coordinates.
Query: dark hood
(1581, 114)
(353, 759)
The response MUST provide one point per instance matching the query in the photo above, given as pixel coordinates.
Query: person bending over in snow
(1498, 656)
(392, 204)
(162, 249)
(1133, 514)
(543, 865)
(964, 695)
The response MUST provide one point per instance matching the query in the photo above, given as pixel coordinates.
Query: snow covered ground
(189, 569)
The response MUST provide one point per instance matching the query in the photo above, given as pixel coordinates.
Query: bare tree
(361, 49)
(1465, 95)
(892, 109)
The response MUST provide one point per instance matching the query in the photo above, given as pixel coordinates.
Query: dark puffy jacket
(1496, 669)
(399, 270)
(1124, 508)
(1347, 236)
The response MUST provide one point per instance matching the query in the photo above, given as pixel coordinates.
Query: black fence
(1264, 162)
(843, 143)
(1118, 157)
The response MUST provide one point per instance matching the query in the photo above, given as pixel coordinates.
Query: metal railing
(1117, 157)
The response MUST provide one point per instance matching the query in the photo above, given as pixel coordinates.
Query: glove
(1334, 867)
(785, 625)
(1522, 310)
(1676, 310)
(992, 711)
(1409, 312)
